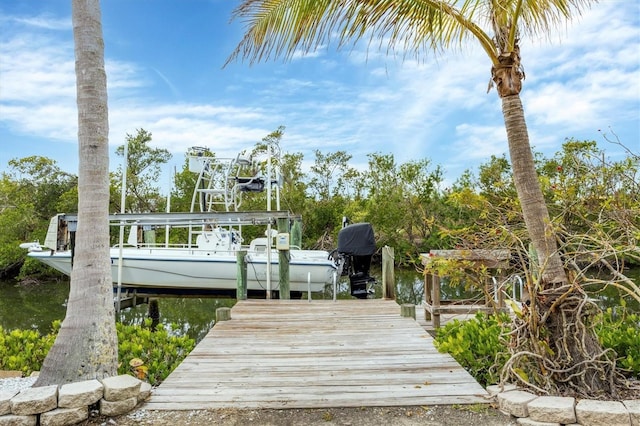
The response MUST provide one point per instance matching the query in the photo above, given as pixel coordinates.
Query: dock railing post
(388, 274)
(428, 295)
(241, 278)
(436, 301)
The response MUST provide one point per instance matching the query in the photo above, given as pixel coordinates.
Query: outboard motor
(356, 245)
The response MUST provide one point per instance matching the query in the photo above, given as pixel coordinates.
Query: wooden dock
(299, 354)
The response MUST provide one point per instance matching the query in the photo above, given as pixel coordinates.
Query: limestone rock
(117, 408)
(515, 402)
(13, 420)
(5, 401)
(79, 394)
(607, 413)
(553, 409)
(526, 421)
(35, 400)
(145, 391)
(121, 387)
(64, 416)
(633, 406)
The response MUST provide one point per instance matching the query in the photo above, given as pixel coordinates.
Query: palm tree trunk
(578, 364)
(87, 346)
(532, 202)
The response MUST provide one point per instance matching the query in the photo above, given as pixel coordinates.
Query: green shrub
(476, 345)
(25, 350)
(160, 352)
(620, 331)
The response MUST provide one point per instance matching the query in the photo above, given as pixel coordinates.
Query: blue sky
(164, 69)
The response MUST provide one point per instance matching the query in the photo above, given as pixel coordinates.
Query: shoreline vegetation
(594, 203)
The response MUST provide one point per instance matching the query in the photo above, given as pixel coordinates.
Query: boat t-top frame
(222, 181)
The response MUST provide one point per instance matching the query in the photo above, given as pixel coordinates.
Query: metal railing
(514, 283)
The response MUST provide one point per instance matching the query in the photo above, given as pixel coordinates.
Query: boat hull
(193, 269)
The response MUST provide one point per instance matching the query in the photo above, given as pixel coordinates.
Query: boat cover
(357, 240)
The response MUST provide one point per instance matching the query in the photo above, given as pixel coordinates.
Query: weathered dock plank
(297, 354)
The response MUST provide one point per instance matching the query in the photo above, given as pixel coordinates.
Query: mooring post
(388, 274)
(283, 261)
(223, 314)
(408, 310)
(241, 278)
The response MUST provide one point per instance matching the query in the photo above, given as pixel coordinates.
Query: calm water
(37, 306)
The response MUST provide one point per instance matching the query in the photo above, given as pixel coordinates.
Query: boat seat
(250, 184)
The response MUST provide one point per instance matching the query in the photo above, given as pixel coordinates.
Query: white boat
(205, 266)
(208, 261)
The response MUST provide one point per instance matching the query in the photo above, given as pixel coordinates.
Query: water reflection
(33, 306)
(37, 306)
(410, 289)
(192, 316)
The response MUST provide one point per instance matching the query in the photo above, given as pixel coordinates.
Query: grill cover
(357, 240)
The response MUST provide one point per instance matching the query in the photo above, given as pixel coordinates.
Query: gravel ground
(474, 415)
(16, 384)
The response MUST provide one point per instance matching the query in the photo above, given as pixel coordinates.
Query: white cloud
(44, 22)
(302, 54)
(589, 80)
(479, 142)
(37, 70)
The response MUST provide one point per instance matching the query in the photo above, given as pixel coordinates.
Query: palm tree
(87, 346)
(283, 27)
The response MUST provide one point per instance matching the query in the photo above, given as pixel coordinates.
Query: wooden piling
(408, 310)
(283, 263)
(388, 274)
(223, 314)
(154, 312)
(241, 278)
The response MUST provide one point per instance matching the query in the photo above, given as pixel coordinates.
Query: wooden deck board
(296, 354)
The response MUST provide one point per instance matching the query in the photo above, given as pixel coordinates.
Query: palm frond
(280, 28)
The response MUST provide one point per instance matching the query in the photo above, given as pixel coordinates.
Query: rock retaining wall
(69, 404)
(536, 410)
